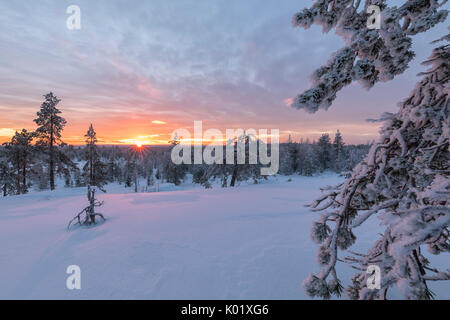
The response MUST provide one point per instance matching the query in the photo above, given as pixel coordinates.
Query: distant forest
(35, 160)
(25, 167)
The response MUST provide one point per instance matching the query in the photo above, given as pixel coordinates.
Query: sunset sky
(138, 70)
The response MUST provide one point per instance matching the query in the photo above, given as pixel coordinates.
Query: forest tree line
(37, 159)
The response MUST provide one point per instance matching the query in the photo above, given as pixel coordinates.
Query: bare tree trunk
(91, 167)
(52, 164)
(234, 176)
(19, 189)
(24, 174)
(135, 179)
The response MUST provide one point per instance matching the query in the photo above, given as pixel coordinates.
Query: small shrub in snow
(87, 216)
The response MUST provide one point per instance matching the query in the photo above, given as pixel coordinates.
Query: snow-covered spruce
(370, 56)
(94, 170)
(15, 171)
(50, 126)
(405, 180)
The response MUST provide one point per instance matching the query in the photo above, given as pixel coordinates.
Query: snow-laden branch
(370, 56)
(404, 180)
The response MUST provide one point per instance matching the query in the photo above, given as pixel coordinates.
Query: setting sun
(225, 151)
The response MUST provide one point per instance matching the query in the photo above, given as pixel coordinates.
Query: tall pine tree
(50, 126)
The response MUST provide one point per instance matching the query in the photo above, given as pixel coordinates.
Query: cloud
(288, 102)
(7, 132)
(228, 63)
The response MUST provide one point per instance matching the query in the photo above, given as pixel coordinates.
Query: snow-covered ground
(250, 242)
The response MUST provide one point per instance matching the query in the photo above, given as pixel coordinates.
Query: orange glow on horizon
(163, 139)
(140, 132)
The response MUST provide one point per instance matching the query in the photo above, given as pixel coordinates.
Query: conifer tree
(405, 180)
(338, 152)
(50, 126)
(6, 177)
(324, 151)
(94, 169)
(19, 154)
(405, 177)
(173, 173)
(290, 160)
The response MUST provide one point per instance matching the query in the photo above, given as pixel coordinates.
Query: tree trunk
(18, 188)
(234, 176)
(24, 174)
(91, 166)
(224, 181)
(135, 179)
(52, 165)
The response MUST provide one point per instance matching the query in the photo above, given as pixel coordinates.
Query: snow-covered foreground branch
(246, 243)
(405, 181)
(370, 55)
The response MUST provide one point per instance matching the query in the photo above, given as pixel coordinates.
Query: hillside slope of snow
(250, 242)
